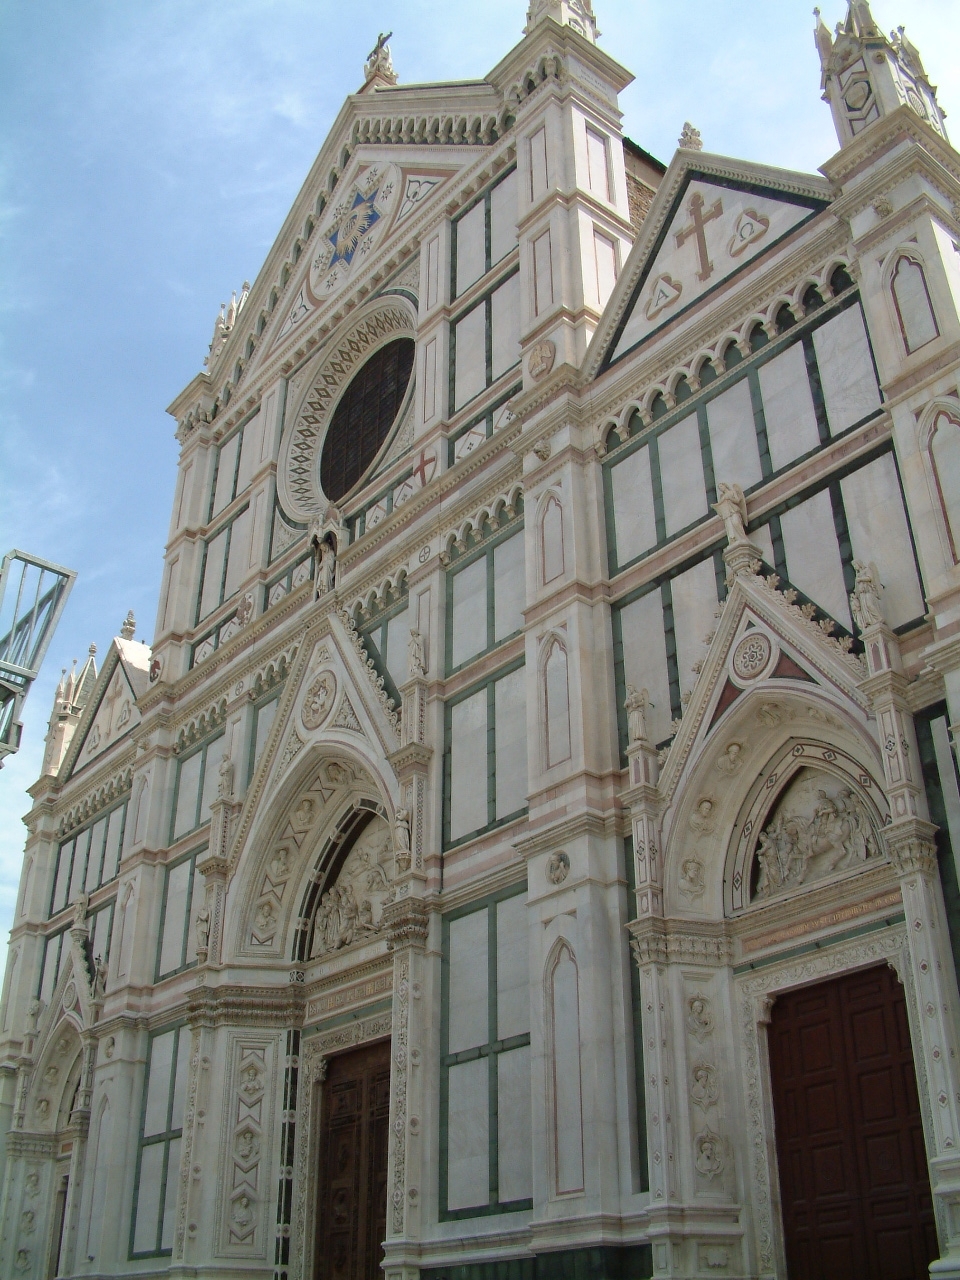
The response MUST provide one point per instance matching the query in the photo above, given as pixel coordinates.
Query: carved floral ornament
(815, 813)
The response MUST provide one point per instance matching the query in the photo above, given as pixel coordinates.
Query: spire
(68, 702)
(570, 13)
(865, 76)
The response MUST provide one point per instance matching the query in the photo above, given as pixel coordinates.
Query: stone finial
(129, 628)
(690, 138)
(577, 14)
(379, 63)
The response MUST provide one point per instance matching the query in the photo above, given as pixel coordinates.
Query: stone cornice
(550, 834)
(283, 624)
(902, 125)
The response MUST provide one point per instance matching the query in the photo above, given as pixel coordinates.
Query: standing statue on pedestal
(325, 571)
(636, 704)
(416, 655)
(865, 600)
(731, 507)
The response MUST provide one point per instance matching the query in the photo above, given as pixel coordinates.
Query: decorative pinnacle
(690, 138)
(128, 630)
(379, 62)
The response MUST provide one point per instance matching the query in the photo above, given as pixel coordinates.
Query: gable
(715, 225)
(378, 199)
(115, 716)
(111, 711)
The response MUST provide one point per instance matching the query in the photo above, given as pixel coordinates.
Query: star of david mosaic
(346, 235)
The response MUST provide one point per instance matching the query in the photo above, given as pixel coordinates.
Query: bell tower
(866, 75)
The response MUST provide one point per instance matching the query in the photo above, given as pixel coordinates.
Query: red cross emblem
(425, 468)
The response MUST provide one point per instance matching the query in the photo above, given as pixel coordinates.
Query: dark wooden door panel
(352, 1173)
(855, 1190)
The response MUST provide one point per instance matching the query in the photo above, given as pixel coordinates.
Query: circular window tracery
(364, 415)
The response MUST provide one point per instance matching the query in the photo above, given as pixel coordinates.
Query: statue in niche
(325, 563)
(225, 781)
(202, 927)
(34, 1009)
(865, 600)
(819, 827)
(99, 979)
(416, 654)
(635, 704)
(351, 909)
(401, 829)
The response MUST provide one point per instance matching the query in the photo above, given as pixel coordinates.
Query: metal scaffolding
(33, 593)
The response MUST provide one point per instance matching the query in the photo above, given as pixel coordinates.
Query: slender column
(649, 944)
(407, 922)
(909, 838)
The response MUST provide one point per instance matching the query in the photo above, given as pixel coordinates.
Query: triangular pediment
(710, 219)
(111, 712)
(763, 642)
(333, 702)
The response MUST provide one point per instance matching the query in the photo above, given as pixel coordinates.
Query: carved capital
(911, 847)
(659, 941)
(406, 921)
(411, 759)
(212, 867)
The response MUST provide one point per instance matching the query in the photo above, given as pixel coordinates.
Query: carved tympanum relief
(819, 827)
(284, 855)
(351, 909)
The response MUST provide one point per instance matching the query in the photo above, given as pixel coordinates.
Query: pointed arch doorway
(854, 1186)
(352, 1174)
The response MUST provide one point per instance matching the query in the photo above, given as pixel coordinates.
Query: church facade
(528, 847)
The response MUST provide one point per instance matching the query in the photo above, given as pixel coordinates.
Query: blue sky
(149, 152)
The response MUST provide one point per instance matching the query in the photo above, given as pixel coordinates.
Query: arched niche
(911, 301)
(555, 700)
(56, 1078)
(940, 443)
(712, 799)
(301, 842)
(813, 815)
(550, 529)
(562, 1000)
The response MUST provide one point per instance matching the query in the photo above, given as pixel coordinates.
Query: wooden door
(352, 1177)
(854, 1185)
